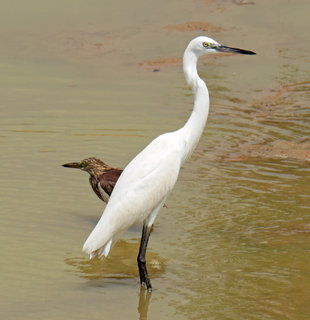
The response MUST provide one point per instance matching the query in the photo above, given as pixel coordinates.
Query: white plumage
(147, 180)
(141, 188)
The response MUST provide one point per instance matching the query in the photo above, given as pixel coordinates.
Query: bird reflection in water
(144, 302)
(119, 265)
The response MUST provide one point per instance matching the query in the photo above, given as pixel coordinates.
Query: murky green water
(234, 241)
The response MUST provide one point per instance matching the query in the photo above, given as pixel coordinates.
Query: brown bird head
(92, 165)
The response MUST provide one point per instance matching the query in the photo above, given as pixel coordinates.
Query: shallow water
(234, 240)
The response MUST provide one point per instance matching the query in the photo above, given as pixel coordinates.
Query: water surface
(234, 240)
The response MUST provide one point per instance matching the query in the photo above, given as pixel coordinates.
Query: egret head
(90, 165)
(202, 45)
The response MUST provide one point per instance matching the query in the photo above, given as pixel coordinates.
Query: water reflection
(120, 264)
(144, 301)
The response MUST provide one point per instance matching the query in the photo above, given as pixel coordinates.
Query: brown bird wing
(109, 179)
(94, 184)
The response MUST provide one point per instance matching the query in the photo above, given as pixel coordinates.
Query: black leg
(144, 277)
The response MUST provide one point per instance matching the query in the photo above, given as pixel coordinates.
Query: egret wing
(143, 185)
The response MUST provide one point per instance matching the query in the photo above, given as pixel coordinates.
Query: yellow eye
(206, 44)
(83, 164)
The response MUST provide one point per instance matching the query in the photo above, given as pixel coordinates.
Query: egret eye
(206, 44)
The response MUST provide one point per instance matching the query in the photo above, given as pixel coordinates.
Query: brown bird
(102, 177)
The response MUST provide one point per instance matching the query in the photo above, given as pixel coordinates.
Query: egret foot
(144, 277)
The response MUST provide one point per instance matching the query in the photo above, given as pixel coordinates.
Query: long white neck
(193, 128)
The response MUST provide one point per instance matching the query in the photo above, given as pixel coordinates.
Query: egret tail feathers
(103, 251)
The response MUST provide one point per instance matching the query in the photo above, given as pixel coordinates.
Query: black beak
(233, 50)
(73, 165)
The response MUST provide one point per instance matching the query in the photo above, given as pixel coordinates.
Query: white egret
(147, 180)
